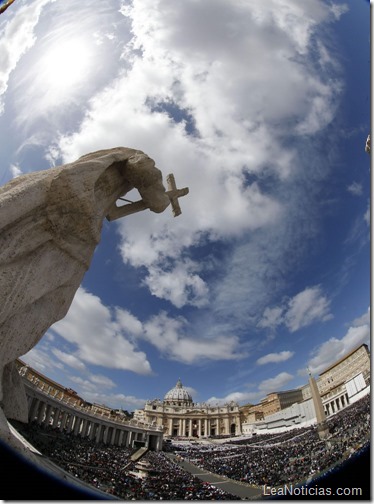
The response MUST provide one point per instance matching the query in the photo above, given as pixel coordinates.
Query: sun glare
(66, 65)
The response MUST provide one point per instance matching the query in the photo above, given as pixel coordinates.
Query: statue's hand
(148, 181)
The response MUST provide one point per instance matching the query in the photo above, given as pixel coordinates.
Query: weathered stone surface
(16, 404)
(50, 224)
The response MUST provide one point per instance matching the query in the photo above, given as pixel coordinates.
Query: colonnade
(49, 411)
(336, 404)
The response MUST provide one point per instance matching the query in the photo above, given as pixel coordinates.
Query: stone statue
(50, 224)
(367, 145)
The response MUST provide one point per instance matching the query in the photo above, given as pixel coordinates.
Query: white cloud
(362, 320)
(275, 357)
(320, 112)
(116, 401)
(367, 215)
(170, 336)
(338, 9)
(355, 188)
(275, 384)
(18, 37)
(101, 336)
(40, 359)
(110, 338)
(181, 285)
(69, 359)
(272, 317)
(65, 65)
(15, 170)
(239, 397)
(191, 391)
(128, 322)
(305, 308)
(92, 384)
(102, 381)
(334, 349)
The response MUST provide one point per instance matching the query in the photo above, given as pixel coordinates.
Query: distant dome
(178, 394)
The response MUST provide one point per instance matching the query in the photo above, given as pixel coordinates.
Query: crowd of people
(110, 468)
(262, 438)
(265, 459)
(291, 457)
(172, 482)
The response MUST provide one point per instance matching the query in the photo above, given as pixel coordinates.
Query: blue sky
(262, 109)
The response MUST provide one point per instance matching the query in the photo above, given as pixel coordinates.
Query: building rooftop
(344, 358)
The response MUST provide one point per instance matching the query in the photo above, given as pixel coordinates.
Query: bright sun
(66, 65)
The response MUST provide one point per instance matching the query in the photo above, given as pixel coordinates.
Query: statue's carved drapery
(50, 224)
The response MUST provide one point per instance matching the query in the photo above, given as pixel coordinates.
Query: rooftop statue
(368, 145)
(50, 225)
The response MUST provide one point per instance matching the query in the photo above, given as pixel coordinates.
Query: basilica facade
(179, 416)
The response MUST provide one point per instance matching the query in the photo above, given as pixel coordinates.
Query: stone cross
(137, 206)
(174, 194)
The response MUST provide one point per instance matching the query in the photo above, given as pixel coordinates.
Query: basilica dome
(178, 395)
